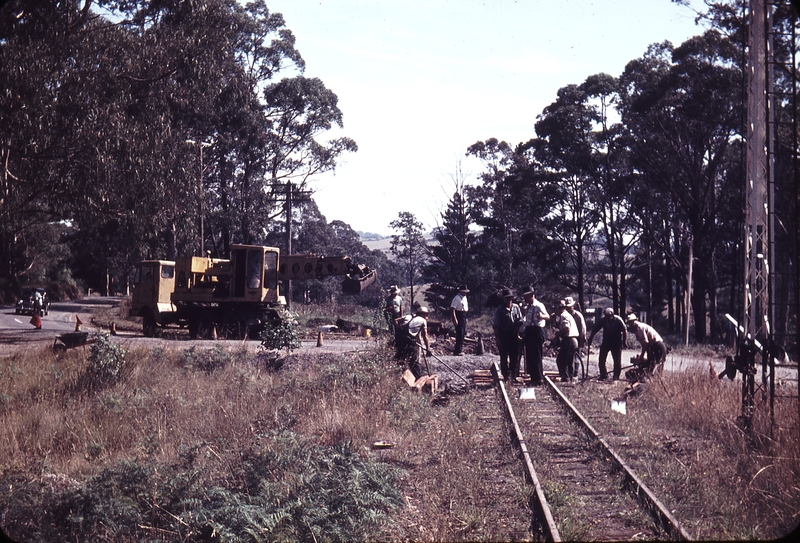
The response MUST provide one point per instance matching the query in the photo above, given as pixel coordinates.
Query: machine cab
(254, 273)
(153, 283)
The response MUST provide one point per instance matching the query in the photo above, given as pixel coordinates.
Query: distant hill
(381, 244)
(369, 236)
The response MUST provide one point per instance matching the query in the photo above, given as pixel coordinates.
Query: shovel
(425, 358)
(586, 370)
(446, 365)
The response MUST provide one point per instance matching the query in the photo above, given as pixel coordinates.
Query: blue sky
(420, 81)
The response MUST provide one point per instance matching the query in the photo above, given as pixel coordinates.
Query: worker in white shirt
(458, 312)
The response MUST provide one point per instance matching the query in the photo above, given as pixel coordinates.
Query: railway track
(583, 489)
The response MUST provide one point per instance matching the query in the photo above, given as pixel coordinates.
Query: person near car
(615, 337)
(533, 335)
(458, 313)
(37, 302)
(506, 324)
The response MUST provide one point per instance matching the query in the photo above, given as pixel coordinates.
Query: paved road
(16, 330)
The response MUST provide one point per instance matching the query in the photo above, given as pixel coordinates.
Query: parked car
(25, 302)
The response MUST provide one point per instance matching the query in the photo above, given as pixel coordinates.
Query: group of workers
(522, 328)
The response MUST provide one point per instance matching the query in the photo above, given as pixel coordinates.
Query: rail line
(591, 488)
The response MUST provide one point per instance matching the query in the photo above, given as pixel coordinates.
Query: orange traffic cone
(319, 338)
(78, 323)
(36, 321)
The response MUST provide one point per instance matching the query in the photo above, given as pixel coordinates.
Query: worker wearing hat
(615, 337)
(506, 324)
(458, 312)
(393, 308)
(568, 332)
(652, 343)
(533, 335)
(581, 323)
(417, 336)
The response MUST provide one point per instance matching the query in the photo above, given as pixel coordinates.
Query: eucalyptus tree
(409, 246)
(299, 110)
(683, 107)
(498, 240)
(580, 143)
(564, 148)
(513, 207)
(66, 140)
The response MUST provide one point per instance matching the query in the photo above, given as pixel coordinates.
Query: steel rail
(546, 521)
(664, 517)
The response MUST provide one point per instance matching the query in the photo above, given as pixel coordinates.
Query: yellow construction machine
(231, 298)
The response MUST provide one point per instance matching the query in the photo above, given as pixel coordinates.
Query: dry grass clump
(219, 445)
(463, 480)
(683, 436)
(191, 444)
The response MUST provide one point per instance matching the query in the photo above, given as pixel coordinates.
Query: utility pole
(289, 238)
(201, 145)
(756, 238)
(290, 195)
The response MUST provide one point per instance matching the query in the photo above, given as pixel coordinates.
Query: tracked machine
(233, 298)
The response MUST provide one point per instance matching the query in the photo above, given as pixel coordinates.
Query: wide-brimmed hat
(562, 304)
(631, 318)
(422, 310)
(608, 311)
(506, 293)
(393, 288)
(568, 301)
(529, 290)
(463, 288)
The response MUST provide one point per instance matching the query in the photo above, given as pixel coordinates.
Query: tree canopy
(99, 101)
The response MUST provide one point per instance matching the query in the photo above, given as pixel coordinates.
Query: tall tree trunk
(699, 290)
(623, 279)
(611, 245)
(172, 251)
(581, 278)
(670, 293)
(680, 298)
(688, 293)
(649, 281)
(711, 282)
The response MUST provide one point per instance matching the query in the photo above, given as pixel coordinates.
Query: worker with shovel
(416, 332)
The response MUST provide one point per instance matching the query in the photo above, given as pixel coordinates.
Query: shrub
(280, 333)
(106, 362)
(209, 360)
